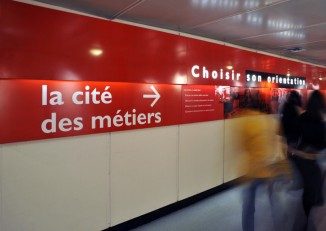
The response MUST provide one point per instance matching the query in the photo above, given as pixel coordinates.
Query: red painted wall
(40, 43)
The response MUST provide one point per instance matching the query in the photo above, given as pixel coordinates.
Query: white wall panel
(143, 171)
(57, 184)
(233, 152)
(201, 157)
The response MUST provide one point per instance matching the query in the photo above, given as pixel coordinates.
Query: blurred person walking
(290, 130)
(312, 143)
(257, 142)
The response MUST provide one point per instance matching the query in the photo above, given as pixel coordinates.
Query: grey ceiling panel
(313, 46)
(282, 17)
(314, 51)
(311, 41)
(102, 8)
(286, 38)
(189, 13)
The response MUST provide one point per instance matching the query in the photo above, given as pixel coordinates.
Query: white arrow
(156, 96)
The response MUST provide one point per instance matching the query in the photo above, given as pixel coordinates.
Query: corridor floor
(223, 212)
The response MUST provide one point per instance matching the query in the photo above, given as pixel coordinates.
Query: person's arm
(302, 154)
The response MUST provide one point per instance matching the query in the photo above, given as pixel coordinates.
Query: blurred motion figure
(290, 115)
(257, 142)
(312, 143)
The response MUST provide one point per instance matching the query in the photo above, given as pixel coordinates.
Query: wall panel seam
(1, 188)
(109, 152)
(223, 150)
(178, 161)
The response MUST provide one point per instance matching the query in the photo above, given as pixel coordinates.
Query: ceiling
(291, 28)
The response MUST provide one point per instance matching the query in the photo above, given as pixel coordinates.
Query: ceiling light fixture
(294, 49)
(96, 51)
(288, 73)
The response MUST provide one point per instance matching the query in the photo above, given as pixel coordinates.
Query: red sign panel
(36, 109)
(201, 103)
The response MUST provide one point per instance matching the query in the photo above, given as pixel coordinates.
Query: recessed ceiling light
(96, 51)
(295, 49)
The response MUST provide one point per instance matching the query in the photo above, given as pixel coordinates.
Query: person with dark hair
(312, 143)
(290, 118)
(246, 99)
(290, 114)
(274, 101)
